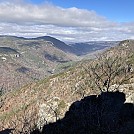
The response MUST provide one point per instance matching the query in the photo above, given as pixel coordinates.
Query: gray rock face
(51, 111)
(128, 89)
(130, 99)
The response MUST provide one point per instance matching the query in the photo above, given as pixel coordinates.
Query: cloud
(73, 24)
(22, 13)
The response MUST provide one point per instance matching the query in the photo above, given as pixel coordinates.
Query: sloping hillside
(24, 60)
(57, 43)
(51, 97)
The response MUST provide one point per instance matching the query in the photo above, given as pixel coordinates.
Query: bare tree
(1, 93)
(2, 90)
(108, 70)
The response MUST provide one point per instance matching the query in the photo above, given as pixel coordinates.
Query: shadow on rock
(6, 131)
(106, 113)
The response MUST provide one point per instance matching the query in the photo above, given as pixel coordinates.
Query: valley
(66, 67)
(48, 98)
(25, 60)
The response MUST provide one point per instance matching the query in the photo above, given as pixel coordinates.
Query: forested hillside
(46, 101)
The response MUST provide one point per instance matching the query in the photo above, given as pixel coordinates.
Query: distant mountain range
(28, 59)
(79, 49)
(51, 97)
(23, 60)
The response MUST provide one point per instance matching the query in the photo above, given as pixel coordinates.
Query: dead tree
(107, 70)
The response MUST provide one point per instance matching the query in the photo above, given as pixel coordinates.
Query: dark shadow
(6, 131)
(36, 131)
(104, 114)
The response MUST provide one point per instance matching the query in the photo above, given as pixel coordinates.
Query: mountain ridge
(42, 56)
(39, 56)
(59, 91)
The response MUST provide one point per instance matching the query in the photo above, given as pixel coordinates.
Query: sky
(68, 20)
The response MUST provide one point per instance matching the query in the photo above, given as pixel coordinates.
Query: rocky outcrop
(106, 113)
(128, 89)
(51, 111)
